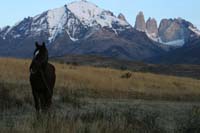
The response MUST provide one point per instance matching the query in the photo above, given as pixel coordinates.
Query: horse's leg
(46, 103)
(49, 101)
(49, 98)
(36, 100)
(44, 106)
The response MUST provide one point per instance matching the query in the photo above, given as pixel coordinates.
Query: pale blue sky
(11, 11)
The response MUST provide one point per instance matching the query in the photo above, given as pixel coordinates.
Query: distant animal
(42, 78)
(126, 75)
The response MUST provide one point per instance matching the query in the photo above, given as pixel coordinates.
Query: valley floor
(104, 115)
(89, 99)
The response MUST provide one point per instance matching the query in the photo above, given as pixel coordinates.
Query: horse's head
(40, 58)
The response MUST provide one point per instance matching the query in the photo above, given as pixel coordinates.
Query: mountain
(178, 30)
(183, 34)
(175, 32)
(80, 28)
(83, 28)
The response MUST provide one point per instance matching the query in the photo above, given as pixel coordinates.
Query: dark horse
(42, 78)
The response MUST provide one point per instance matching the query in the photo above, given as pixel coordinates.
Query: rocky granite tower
(140, 24)
(151, 27)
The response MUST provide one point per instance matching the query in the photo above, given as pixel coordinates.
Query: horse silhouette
(42, 78)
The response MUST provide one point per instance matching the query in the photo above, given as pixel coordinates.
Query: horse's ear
(43, 44)
(36, 44)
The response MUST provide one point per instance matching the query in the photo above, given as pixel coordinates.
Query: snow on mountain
(91, 15)
(76, 19)
(195, 30)
(72, 19)
(85, 11)
(39, 23)
(4, 31)
(154, 37)
(179, 42)
(63, 20)
(52, 23)
(56, 19)
(97, 31)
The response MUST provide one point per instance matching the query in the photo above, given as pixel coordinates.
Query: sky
(12, 11)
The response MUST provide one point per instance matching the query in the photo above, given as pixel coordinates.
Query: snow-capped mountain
(52, 23)
(82, 27)
(72, 19)
(91, 15)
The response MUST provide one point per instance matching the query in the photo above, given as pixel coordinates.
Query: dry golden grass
(106, 82)
(76, 85)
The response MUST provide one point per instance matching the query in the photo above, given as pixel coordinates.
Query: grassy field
(181, 70)
(90, 99)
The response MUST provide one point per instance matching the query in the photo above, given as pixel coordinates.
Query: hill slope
(99, 100)
(105, 82)
(189, 54)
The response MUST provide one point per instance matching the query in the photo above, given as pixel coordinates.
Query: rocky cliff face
(175, 32)
(177, 29)
(170, 30)
(140, 24)
(152, 28)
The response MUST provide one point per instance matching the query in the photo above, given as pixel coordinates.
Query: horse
(42, 78)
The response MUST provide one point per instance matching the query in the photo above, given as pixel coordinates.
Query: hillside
(189, 54)
(181, 70)
(107, 82)
(90, 99)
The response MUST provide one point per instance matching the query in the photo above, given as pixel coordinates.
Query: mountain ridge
(82, 28)
(170, 31)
